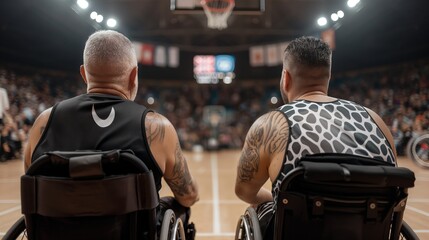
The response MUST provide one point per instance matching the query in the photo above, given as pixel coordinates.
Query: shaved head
(109, 53)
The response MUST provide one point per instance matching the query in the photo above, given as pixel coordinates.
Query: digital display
(209, 69)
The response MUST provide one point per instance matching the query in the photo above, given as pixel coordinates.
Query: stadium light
(352, 3)
(227, 80)
(274, 100)
(322, 21)
(82, 4)
(93, 15)
(334, 17)
(340, 14)
(150, 100)
(99, 18)
(111, 22)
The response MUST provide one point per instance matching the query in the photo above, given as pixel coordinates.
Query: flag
(282, 47)
(160, 56)
(146, 56)
(256, 56)
(272, 55)
(329, 37)
(138, 50)
(173, 57)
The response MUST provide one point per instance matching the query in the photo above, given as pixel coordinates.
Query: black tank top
(98, 122)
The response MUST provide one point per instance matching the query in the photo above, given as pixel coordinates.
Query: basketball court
(214, 35)
(217, 212)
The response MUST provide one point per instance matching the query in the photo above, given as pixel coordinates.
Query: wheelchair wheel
(172, 228)
(248, 226)
(17, 231)
(418, 150)
(407, 233)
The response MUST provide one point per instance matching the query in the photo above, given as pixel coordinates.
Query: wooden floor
(216, 214)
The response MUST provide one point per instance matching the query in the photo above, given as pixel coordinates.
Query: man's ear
(83, 74)
(132, 78)
(287, 80)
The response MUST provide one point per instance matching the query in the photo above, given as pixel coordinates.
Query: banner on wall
(173, 57)
(146, 55)
(329, 37)
(272, 55)
(257, 56)
(160, 56)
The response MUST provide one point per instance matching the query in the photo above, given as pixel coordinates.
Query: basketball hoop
(217, 12)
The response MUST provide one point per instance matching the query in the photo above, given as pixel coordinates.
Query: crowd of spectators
(209, 117)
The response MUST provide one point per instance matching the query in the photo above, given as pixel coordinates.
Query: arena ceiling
(50, 33)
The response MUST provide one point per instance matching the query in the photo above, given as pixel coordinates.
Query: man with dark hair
(311, 122)
(107, 118)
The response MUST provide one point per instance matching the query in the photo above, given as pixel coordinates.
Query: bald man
(107, 118)
(311, 122)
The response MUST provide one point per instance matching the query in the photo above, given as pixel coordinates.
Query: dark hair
(308, 51)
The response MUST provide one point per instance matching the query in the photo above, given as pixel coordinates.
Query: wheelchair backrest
(332, 196)
(89, 195)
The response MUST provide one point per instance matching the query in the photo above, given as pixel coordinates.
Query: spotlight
(352, 3)
(99, 18)
(93, 15)
(322, 21)
(111, 22)
(82, 4)
(340, 14)
(334, 17)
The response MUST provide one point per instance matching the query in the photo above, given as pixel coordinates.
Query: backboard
(241, 6)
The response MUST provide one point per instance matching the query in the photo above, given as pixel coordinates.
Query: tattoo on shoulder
(155, 128)
(180, 182)
(277, 133)
(270, 132)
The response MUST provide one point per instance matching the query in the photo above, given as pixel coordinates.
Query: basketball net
(217, 12)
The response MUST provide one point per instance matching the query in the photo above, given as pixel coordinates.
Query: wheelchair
(91, 195)
(332, 196)
(418, 149)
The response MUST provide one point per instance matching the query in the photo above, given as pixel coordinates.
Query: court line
(215, 192)
(418, 200)
(9, 180)
(211, 234)
(10, 210)
(421, 231)
(9, 201)
(417, 210)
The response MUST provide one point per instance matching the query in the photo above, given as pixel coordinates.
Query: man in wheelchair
(107, 118)
(311, 122)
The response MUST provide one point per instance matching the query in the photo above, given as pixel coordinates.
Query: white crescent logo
(103, 122)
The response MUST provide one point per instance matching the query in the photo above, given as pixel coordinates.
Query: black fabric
(72, 127)
(120, 195)
(383, 176)
(334, 200)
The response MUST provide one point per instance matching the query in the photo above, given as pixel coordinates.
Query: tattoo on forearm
(155, 129)
(180, 182)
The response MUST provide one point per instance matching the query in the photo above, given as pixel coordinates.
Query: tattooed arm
(261, 157)
(165, 147)
(34, 136)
